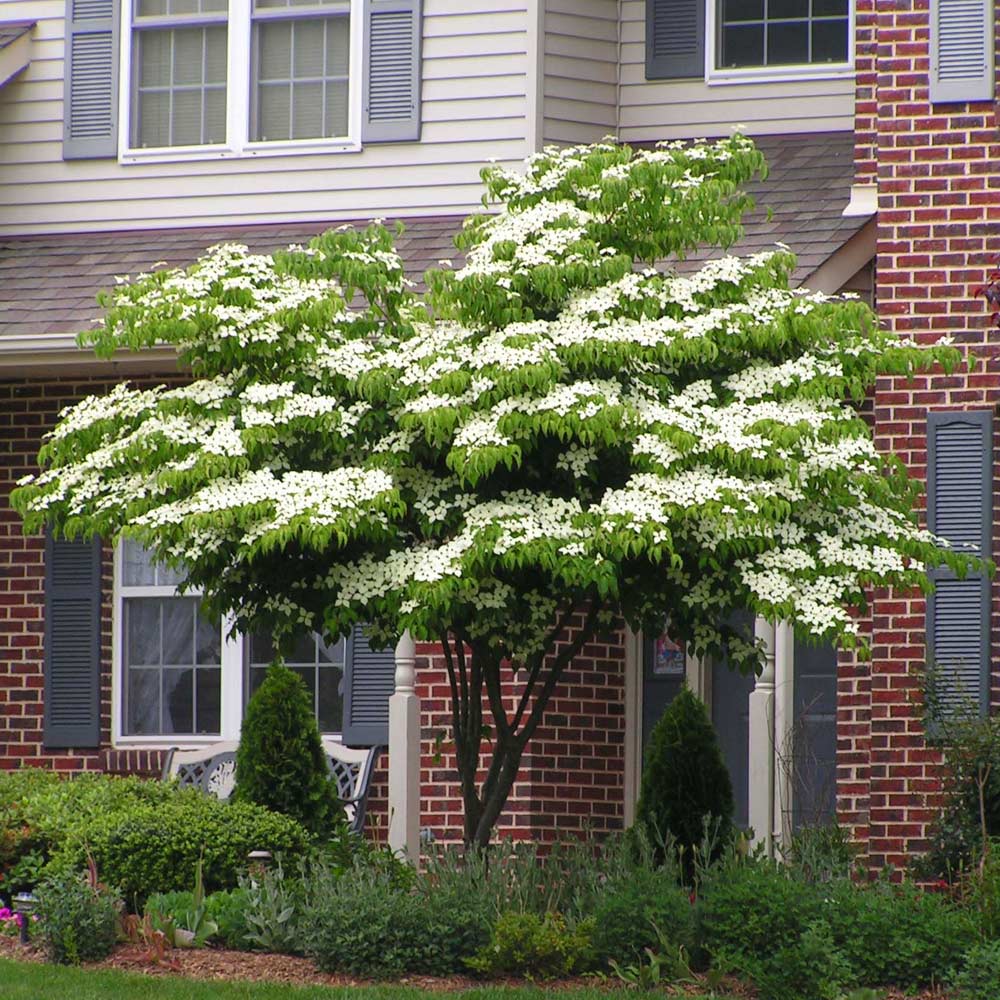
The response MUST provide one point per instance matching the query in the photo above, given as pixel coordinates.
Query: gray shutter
(962, 45)
(391, 98)
(960, 509)
(675, 39)
(72, 713)
(369, 681)
(90, 88)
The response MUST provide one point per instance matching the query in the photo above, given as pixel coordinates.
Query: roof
(807, 188)
(48, 283)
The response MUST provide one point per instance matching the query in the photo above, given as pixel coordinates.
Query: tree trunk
(473, 667)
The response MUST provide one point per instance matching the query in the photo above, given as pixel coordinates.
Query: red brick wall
(938, 175)
(571, 777)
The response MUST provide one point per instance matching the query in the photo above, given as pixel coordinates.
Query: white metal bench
(212, 768)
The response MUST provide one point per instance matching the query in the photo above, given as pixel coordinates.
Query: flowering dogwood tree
(561, 433)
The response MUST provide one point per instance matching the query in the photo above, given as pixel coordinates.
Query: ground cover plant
(574, 439)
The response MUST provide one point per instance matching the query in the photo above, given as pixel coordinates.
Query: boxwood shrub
(154, 847)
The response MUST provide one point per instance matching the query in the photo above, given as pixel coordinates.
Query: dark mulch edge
(255, 967)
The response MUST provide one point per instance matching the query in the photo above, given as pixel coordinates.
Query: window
(171, 655)
(224, 75)
(180, 678)
(729, 41)
(204, 79)
(781, 33)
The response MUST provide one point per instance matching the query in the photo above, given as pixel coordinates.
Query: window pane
(142, 631)
(186, 118)
(208, 640)
(743, 46)
(137, 566)
(178, 630)
(336, 109)
(829, 41)
(330, 710)
(787, 8)
(189, 47)
(331, 652)
(274, 112)
(215, 116)
(142, 700)
(215, 55)
(178, 701)
(308, 43)
(274, 42)
(150, 8)
(208, 697)
(285, 4)
(153, 54)
(304, 650)
(261, 649)
(827, 8)
(257, 675)
(307, 118)
(338, 46)
(742, 10)
(787, 43)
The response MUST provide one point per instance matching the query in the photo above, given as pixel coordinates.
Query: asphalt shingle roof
(48, 283)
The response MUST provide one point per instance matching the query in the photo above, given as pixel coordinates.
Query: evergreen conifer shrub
(685, 777)
(280, 762)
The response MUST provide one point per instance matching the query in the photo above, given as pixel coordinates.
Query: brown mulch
(249, 966)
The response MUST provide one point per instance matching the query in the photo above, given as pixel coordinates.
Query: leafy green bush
(367, 924)
(156, 847)
(274, 902)
(40, 811)
(227, 910)
(897, 935)
(78, 919)
(685, 778)
(805, 967)
(627, 909)
(526, 944)
(280, 763)
(979, 978)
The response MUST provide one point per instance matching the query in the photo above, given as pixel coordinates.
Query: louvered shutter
(72, 713)
(960, 509)
(962, 45)
(369, 681)
(90, 87)
(675, 39)
(391, 101)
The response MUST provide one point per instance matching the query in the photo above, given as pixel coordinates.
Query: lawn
(30, 981)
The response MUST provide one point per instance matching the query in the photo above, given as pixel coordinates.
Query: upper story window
(150, 80)
(731, 41)
(781, 33)
(232, 73)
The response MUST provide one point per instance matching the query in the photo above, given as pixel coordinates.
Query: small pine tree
(280, 762)
(685, 777)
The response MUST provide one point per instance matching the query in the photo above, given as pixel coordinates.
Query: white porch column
(761, 763)
(784, 687)
(404, 755)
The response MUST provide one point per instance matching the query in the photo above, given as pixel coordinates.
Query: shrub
(979, 978)
(806, 967)
(157, 847)
(627, 909)
(40, 811)
(367, 924)
(526, 944)
(685, 777)
(280, 763)
(78, 919)
(274, 901)
(897, 935)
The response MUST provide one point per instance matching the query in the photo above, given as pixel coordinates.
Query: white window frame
(231, 677)
(771, 74)
(238, 98)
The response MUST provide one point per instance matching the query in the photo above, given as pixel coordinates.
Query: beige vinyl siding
(474, 108)
(580, 70)
(667, 109)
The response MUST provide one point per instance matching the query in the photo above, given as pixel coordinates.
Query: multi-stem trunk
(475, 670)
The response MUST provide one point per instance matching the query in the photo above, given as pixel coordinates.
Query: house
(137, 131)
